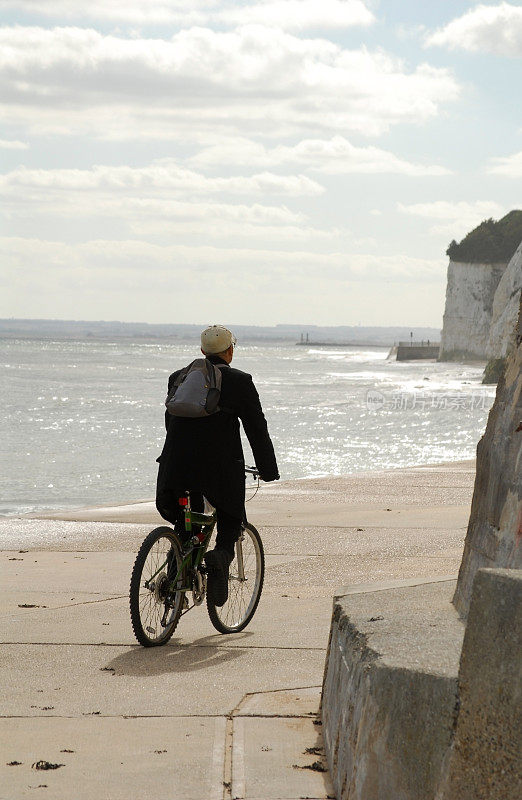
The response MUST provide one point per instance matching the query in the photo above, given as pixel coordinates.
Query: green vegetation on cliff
(491, 242)
(494, 370)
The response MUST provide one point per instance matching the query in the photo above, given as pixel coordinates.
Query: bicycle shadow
(176, 657)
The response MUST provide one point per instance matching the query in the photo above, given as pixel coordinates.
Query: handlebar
(252, 471)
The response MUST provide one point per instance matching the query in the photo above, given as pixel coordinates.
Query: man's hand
(269, 478)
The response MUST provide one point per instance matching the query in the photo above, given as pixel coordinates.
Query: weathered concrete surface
(63, 664)
(114, 758)
(262, 771)
(495, 525)
(390, 690)
(486, 760)
(264, 749)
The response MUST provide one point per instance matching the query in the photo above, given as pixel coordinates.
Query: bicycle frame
(184, 554)
(198, 542)
(207, 521)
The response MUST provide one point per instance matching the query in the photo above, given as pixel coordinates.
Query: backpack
(196, 391)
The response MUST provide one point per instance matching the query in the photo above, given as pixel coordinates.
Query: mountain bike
(168, 570)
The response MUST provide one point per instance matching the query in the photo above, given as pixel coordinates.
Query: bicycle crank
(199, 587)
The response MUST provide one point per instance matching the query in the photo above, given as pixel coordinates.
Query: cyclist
(205, 456)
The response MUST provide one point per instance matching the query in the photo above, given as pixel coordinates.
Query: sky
(258, 162)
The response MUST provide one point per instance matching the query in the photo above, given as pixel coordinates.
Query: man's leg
(218, 560)
(228, 530)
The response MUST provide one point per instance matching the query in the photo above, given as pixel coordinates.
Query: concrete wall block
(344, 693)
(404, 734)
(386, 729)
(486, 761)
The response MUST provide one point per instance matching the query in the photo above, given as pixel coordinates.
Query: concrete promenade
(206, 716)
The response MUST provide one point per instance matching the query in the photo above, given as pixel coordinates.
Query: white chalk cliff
(470, 293)
(505, 309)
(495, 523)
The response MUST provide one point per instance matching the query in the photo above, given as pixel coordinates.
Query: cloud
(162, 175)
(301, 14)
(510, 166)
(136, 280)
(289, 14)
(454, 219)
(490, 29)
(162, 200)
(132, 12)
(12, 144)
(251, 266)
(333, 156)
(201, 82)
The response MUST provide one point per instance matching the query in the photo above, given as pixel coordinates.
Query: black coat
(206, 454)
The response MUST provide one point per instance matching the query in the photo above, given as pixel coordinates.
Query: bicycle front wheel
(155, 604)
(245, 583)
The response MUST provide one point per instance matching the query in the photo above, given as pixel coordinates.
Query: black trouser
(228, 527)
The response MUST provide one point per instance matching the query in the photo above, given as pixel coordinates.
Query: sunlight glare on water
(82, 421)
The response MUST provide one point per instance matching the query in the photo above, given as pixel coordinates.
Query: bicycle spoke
(150, 588)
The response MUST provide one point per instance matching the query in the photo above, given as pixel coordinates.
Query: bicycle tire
(147, 604)
(236, 613)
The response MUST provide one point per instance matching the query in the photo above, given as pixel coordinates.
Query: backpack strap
(182, 375)
(223, 408)
(177, 383)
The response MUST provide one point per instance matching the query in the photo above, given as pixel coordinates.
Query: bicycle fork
(240, 562)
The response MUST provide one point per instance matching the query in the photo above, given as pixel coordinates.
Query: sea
(82, 421)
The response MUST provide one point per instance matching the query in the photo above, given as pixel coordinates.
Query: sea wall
(494, 535)
(410, 712)
(485, 761)
(390, 690)
(468, 313)
(414, 706)
(505, 309)
(408, 353)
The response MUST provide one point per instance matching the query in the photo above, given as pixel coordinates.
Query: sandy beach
(74, 679)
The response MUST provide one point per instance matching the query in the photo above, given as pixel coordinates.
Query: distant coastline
(341, 344)
(328, 336)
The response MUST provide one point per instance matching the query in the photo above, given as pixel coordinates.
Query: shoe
(217, 562)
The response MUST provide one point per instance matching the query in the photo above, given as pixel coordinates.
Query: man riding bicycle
(204, 455)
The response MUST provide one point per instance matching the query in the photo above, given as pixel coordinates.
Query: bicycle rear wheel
(156, 607)
(245, 583)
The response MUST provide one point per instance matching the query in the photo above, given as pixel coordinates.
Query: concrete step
(393, 659)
